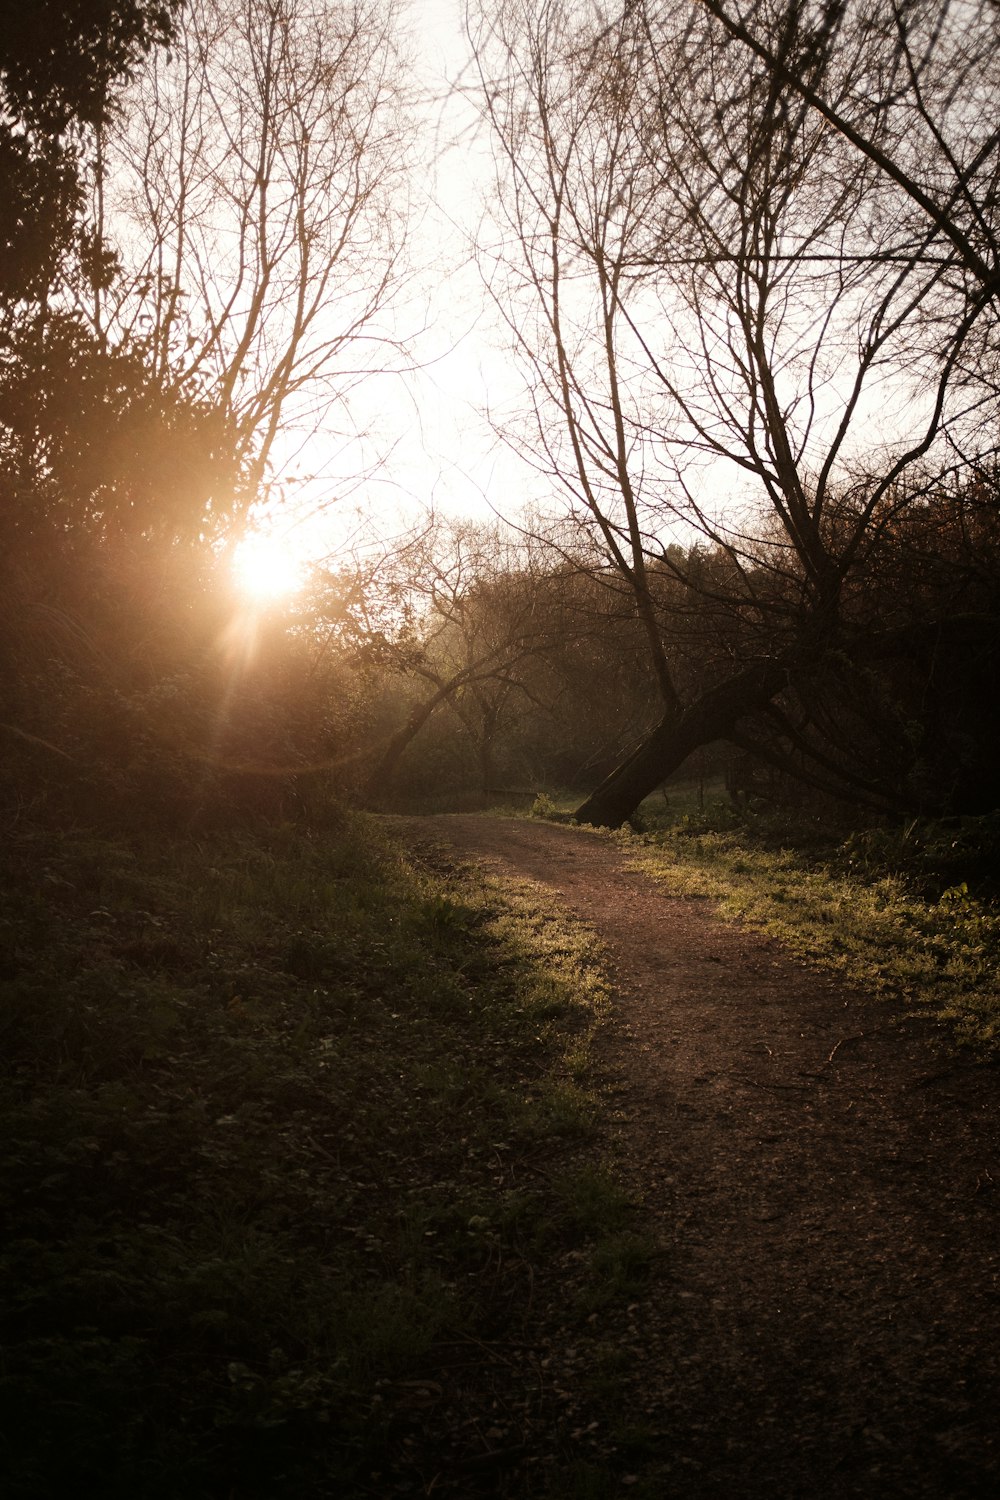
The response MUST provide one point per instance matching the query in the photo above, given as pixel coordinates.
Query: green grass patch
(911, 911)
(285, 1117)
(877, 907)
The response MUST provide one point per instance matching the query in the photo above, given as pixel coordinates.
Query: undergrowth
(291, 1127)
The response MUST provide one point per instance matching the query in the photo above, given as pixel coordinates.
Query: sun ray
(266, 568)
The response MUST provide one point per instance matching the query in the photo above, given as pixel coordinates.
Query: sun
(267, 568)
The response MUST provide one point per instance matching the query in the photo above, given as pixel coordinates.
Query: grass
(287, 1120)
(910, 912)
(887, 908)
(303, 1143)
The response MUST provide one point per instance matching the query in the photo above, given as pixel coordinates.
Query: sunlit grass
(282, 1112)
(890, 912)
(939, 955)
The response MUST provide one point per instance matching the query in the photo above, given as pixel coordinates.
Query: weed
(542, 807)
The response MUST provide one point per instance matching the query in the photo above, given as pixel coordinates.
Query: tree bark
(385, 767)
(710, 717)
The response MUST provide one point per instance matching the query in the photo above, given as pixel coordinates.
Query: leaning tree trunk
(711, 717)
(487, 779)
(384, 769)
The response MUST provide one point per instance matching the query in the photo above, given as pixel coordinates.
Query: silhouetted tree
(459, 610)
(699, 270)
(259, 176)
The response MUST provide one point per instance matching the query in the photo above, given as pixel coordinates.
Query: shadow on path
(823, 1176)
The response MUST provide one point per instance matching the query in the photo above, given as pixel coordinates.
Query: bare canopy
(749, 266)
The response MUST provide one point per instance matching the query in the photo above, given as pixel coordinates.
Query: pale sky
(443, 451)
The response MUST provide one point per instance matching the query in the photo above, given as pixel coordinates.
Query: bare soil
(822, 1174)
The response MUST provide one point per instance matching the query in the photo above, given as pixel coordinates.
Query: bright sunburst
(266, 568)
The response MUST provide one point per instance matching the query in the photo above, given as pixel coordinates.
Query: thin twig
(800, 1088)
(843, 1041)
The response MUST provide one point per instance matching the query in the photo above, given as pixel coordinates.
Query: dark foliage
(60, 61)
(124, 670)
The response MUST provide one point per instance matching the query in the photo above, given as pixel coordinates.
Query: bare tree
(914, 109)
(460, 611)
(257, 185)
(736, 323)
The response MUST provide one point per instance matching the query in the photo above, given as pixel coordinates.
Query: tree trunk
(488, 735)
(711, 717)
(487, 780)
(384, 769)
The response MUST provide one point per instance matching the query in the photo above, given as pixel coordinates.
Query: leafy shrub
(543, 807)
(932, 856)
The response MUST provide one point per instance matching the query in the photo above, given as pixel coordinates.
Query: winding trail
(824, 1178)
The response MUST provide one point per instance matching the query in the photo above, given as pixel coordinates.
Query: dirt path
(824, 1180)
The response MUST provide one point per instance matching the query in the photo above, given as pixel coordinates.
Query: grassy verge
(910, 912)
(888, 909)
(292, 1130)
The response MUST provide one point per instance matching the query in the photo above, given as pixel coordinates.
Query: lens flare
(266, 568)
